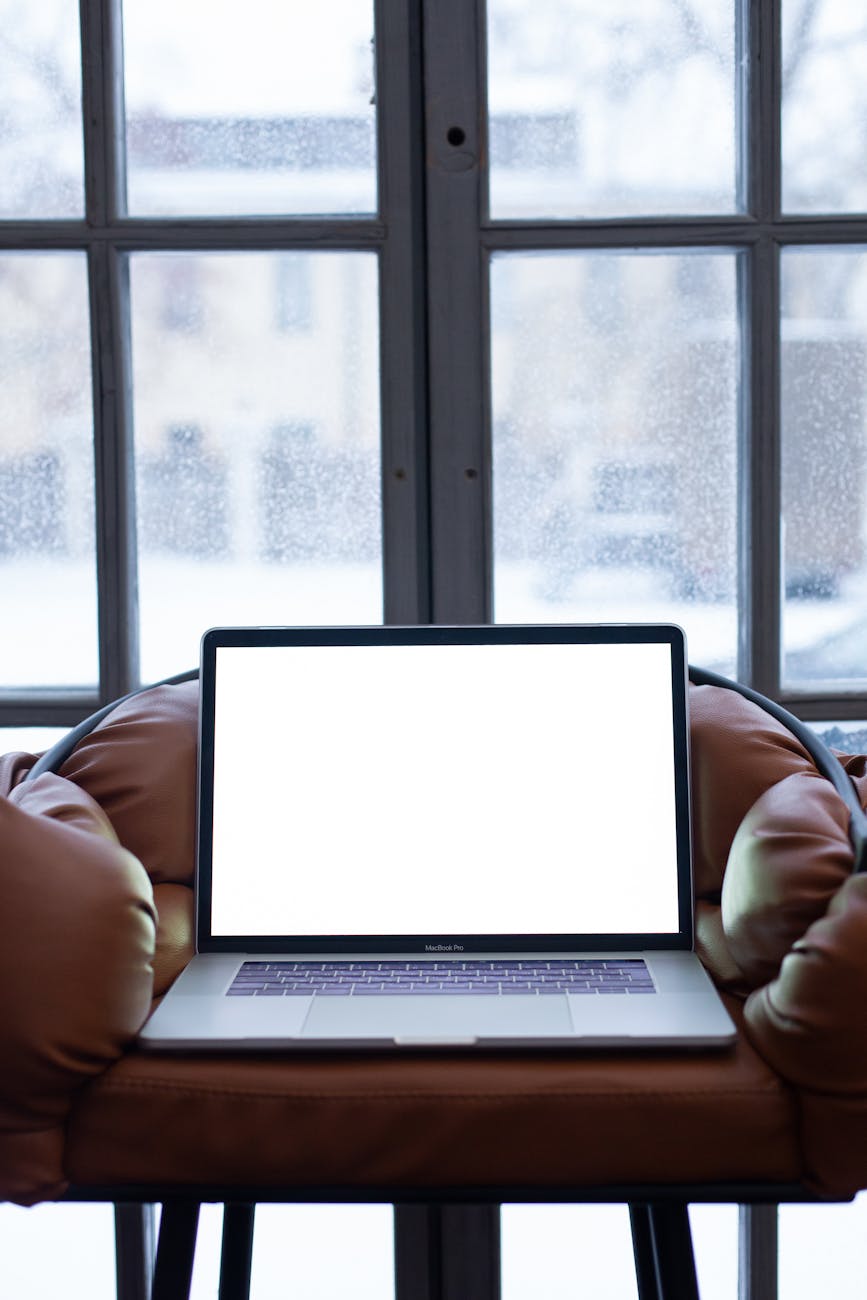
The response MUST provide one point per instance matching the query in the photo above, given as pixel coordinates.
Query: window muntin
(609, 370)
(47, 546)
(257, 449)
(265, 110)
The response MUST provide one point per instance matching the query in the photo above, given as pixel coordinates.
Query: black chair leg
(642, 1249)
(176, 1249)
(664, 1259)
(236, 1255)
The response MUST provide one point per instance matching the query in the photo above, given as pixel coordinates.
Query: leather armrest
(738, 752)
(77, 933)
(790, 856)
(810, 1023)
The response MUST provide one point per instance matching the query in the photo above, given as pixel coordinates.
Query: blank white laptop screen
(475, 789)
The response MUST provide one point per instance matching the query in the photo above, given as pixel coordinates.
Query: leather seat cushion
(390, 1122)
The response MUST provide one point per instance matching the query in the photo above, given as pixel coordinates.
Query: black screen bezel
(438, 634)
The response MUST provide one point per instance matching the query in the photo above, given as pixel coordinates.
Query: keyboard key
(489, 978)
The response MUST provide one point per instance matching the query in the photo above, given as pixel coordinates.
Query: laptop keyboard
(372, 978)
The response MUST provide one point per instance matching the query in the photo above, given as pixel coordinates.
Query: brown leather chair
(96, 921)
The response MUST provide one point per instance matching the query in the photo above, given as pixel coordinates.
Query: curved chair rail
(54, 758)
(826, 761)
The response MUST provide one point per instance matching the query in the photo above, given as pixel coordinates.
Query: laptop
(440, 837)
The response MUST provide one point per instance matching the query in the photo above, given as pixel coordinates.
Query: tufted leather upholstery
(96, 911)
(78, 932)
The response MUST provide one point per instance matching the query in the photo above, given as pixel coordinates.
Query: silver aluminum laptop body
(439, 837)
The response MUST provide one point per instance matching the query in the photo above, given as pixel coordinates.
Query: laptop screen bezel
(433, 634)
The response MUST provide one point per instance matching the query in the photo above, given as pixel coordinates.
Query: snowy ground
(49, 611)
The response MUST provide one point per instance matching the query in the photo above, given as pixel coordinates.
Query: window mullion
(760, 560)
(115, 517)
(457, 325)
(405, 484)
(102, 110)
(114, 474)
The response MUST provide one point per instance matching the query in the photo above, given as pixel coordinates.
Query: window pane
(611, 109)
(256, 405)
(29, 740)
(824, 106)
(47, 554)
(846, 737)
(567, 1250)
(320, 1252)
(271, 114)
(715, 1242)
(615, 431)
(823, 1250)
(294, 1252)
(58, 1250)
(824, 384)
(41, 167)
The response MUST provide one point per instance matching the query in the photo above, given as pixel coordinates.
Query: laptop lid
(444, 789)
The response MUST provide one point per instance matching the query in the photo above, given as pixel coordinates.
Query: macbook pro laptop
(421, 837)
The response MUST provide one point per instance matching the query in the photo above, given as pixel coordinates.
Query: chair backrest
(54, 758)
(826, 761)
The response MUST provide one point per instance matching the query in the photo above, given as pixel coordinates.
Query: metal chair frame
(446, 1241)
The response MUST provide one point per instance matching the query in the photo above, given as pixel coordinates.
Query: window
(432, 310)
(309, 358)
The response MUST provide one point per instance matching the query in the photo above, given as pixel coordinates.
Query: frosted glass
(54, 1250)
(266, 111)
(824, 106)
(41, 154)
(47, 550)
(715, 1244)
(29, 740)
(561, 1252)
(846, 737)
(320, 1252)
(256, 411)
(823, 1251)
(824, 465)
(615, 109)
(614, 396)
(565, 1251)
(313, 1252)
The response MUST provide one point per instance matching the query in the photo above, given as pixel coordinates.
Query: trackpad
(432, 1018)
